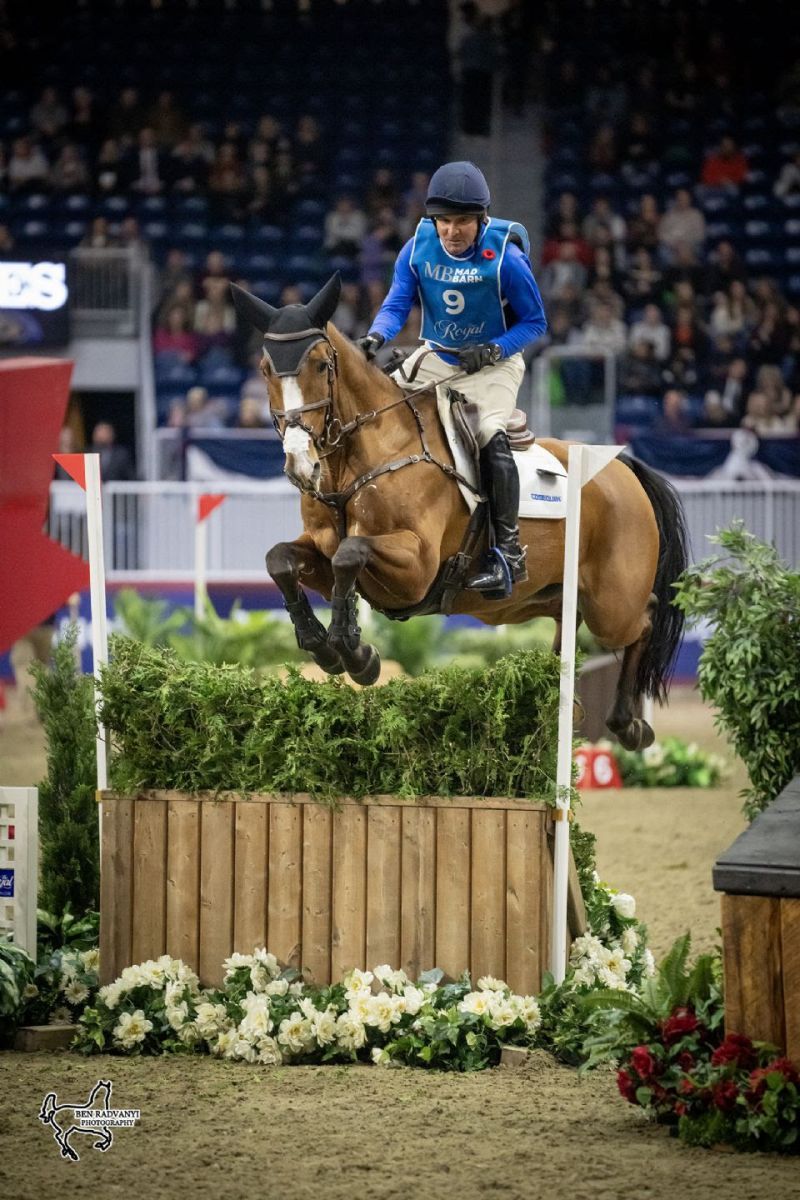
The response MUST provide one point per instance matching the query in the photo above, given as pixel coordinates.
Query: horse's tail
(658, 659)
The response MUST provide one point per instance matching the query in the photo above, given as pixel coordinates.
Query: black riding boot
(499, 472)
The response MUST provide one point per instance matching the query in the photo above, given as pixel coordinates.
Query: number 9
(453, 301)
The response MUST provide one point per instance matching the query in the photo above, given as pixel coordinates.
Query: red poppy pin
(489, 254)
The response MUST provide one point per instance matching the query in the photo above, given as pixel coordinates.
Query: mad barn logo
(95, 1117)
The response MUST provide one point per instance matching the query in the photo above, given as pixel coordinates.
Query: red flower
(644, 1064)
(686, 1087)
(489, 254)
(725, 1093)
(758, 1078)
(737, 1050)
(681, 1109)
(682, 1022)
(686, 1061)
(626, 1086)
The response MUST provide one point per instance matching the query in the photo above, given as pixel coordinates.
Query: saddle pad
(542, 479)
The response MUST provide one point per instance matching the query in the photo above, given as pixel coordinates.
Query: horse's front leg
(361, 660)
(288, 563)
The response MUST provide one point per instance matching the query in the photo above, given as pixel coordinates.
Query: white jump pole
(97, 588)
(206, 503)
(584, 464)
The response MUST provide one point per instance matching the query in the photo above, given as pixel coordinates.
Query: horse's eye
(321, 367)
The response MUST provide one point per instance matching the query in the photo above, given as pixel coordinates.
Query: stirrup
(495, 580)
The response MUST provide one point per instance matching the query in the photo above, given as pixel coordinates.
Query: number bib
(460, 297)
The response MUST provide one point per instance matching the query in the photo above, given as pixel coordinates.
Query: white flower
(111, 994)
(210, 1019)
(414, 999)
(529, 1011)
(132, 1028)
(295, 1033)
(630, 940)
(297, 988)
(259, 977)
(356, 982)
(323, 1026)
(235, 962)
(614, 960)
(257, 1021)
(243, 1049)
(91, 959)
(501, 1011)
(189, 1034)
(29, 991)
(649, 963)
(307, 1008)
(488, 983)
(587, 947)
(154, 971)
(60, 1016)
(350, 1031)
(278, 987)
(383, 1011)
(69, 969)
(268, 960)
(184, 974)
(177, 1014)
(361, 1006)
(624, 905)
(610, 979)
(378, 1056)
(476, 1002)
(270, 1053)
(396, 980)
(653, 756)
(225, 1043)
(585, 974)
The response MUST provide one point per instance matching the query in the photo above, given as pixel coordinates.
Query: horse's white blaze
(296, 440)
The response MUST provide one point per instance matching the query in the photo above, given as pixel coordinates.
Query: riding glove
(370, 345)
(475, 358)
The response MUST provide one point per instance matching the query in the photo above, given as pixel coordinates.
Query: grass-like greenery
(196, 726)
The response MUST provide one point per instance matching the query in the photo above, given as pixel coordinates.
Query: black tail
(655, 667)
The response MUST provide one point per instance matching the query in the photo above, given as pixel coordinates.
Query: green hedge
(456, 731)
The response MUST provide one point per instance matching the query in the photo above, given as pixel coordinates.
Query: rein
(334, 432)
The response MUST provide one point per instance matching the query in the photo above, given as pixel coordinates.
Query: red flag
(207, 502)
(37, 573)
(74, 465)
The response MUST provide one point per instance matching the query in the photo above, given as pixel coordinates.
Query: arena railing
(149, 527)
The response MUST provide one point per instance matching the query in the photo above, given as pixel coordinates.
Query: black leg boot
(502, 484)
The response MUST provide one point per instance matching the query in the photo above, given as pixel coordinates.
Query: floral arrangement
(53, 991)
(268, 1015)
(671, 763)
(733, 1092)
(613, 956)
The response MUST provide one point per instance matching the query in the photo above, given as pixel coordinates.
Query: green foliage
(147, 619)
(416, 644)
(198, 727)
(16, 974)
(70, 870)
(56, 931)
(750, 666)
(671, 763)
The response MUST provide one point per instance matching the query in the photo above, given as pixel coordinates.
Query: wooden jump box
(760, 878)
(461, 884)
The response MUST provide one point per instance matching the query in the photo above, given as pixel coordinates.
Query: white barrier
(19, 865)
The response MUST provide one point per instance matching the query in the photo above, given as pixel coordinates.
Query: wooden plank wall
(458, 884)
(761, 953)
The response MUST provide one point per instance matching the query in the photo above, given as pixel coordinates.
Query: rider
(472, 278)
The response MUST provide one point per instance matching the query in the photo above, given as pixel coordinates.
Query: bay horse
(383, 514)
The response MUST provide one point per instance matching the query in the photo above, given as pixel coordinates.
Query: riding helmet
(457, 187)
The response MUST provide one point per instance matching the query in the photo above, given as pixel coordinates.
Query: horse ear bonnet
(321, 307)
(256, 311)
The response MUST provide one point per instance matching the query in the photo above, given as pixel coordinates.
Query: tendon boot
(504, 565)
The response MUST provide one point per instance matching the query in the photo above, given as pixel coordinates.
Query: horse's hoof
(370, 672)
(636, 736)
(327, 658)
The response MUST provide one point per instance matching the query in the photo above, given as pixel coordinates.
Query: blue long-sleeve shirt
(518, 287)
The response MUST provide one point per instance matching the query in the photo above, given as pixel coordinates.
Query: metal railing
(590, 422)
(149, 527)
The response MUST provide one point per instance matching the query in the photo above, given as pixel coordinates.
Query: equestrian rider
(472, 278)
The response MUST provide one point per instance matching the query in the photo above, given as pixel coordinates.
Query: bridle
(335, 431)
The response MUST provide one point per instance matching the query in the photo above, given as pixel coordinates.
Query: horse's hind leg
(361, 660)
(633, 731)
(288, 563)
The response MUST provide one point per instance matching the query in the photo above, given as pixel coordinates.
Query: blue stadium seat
(77, 204)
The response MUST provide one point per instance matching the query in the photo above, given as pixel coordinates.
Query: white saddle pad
(542, 479)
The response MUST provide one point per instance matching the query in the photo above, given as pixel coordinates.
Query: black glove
(475, 358)
(370, 345)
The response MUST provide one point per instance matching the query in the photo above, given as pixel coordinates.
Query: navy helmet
(457, 187)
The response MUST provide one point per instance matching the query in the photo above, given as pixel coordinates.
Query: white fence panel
(19, 865)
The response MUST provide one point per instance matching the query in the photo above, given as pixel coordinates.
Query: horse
(383, 517)
(51, 1114)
